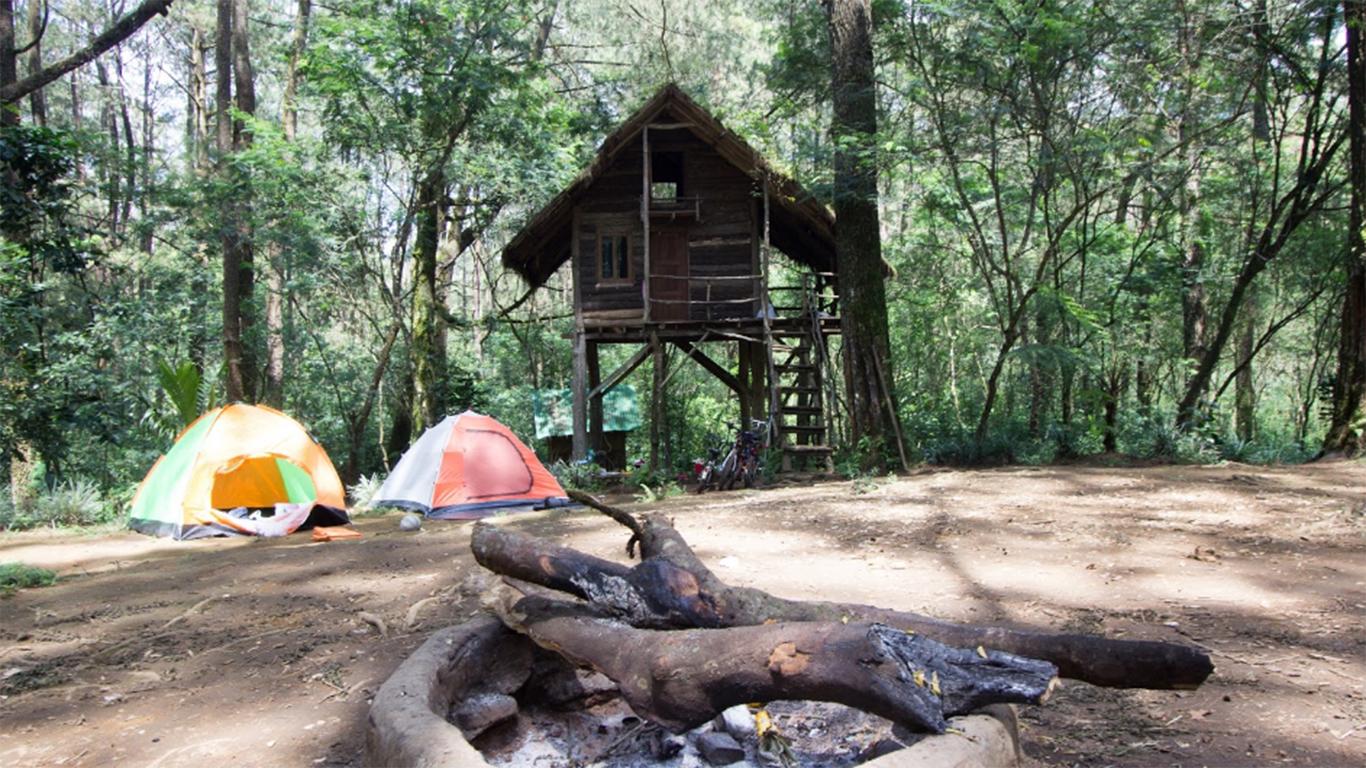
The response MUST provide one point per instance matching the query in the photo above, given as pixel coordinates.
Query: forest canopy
(1109, 228)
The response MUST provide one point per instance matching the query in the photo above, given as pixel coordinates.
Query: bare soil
(266, 652)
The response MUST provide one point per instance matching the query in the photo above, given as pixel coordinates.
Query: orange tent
(248, 456)
(467, 466)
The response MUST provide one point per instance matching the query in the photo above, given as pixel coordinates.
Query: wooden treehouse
(672, 232)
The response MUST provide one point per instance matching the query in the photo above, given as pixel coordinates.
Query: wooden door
(668, 274)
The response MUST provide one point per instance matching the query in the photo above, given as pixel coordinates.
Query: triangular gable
(801, 226)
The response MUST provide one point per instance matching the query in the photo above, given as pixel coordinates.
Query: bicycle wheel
(704, 478)
(728, 473)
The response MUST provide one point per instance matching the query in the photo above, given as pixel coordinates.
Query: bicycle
(742, 463)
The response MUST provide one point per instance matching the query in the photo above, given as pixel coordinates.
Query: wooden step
(796, 389)
(795, 368)
(800, 410)
(803, 428)
(809, 450)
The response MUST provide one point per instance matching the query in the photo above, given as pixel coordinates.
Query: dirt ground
(266, 652)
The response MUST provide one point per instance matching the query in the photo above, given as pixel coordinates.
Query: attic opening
(666, 175)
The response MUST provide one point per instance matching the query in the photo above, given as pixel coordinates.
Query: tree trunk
(672, 588)
(356, 422)
(1117, 381)
(276, 306)
(199, 99)
(130, 161)
(428, 354)
(1295, 206)
(1193, 312)
(37, 100)
(1347, 433)
(237, 257)
(145, 167)
(683, 678)
(107, 170)
(1244, 397)
(858, 243)
(298, 45)
(9, 63)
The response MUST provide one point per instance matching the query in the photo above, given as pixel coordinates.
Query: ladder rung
(806, 449)
(800, 410)
(792, 390)
(802, 428)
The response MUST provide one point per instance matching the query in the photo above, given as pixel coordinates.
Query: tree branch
(115, 34)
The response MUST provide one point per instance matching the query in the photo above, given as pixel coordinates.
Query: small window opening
(666, 175)
(614, 258)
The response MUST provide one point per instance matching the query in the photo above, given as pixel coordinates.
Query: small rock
(880, 748)
(719, 748)
(410, 522)
(737, 721)
(480, 713)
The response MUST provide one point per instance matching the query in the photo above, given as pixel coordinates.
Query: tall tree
(233, 62)
(9, 62)
(858, 238)
(1309, 187)
(278, 266)
(37, 26)
(1347, 433)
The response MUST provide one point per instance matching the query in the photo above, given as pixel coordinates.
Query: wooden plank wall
(721, 244)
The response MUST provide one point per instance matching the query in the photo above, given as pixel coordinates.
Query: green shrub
(363, 493)
(661, 491)
(585, 476)
(75, 502)
(16, 576)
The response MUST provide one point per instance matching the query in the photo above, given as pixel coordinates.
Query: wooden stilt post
(656, 401)
(758, 373)
(595, 438)
(746, 382)
(580, 441)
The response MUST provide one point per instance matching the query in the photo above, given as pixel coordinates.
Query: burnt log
(672, 588)
(681, 679)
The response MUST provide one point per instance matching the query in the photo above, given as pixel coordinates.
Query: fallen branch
(683, 678)
(671, 587)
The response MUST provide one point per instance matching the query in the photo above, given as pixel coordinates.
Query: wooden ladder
(799, 369)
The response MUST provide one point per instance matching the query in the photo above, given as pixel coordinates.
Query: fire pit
(479, 694)
(657, 662)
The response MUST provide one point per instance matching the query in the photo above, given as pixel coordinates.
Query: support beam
(758, 384)
(712, 367)
(746, 382)
(580, 441)
(595, 438)
(656, 401)
(616, 377)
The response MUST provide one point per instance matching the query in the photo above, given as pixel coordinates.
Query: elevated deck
(627, 331)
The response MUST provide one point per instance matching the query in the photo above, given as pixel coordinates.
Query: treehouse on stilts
(673, 234)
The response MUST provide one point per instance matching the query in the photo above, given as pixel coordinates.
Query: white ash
(609, 735)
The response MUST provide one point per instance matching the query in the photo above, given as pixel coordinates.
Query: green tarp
(553, 410)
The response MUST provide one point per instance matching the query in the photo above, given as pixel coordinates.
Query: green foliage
(182, 385)
(362, 493)
(73, 503)
(17, 576)
(583, 476)
(663, 490)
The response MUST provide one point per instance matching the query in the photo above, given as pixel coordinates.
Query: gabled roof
(800, 225)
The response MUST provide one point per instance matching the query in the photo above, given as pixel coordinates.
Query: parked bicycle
(742, 463)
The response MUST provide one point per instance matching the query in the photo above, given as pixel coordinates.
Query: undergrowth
(17, 576)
